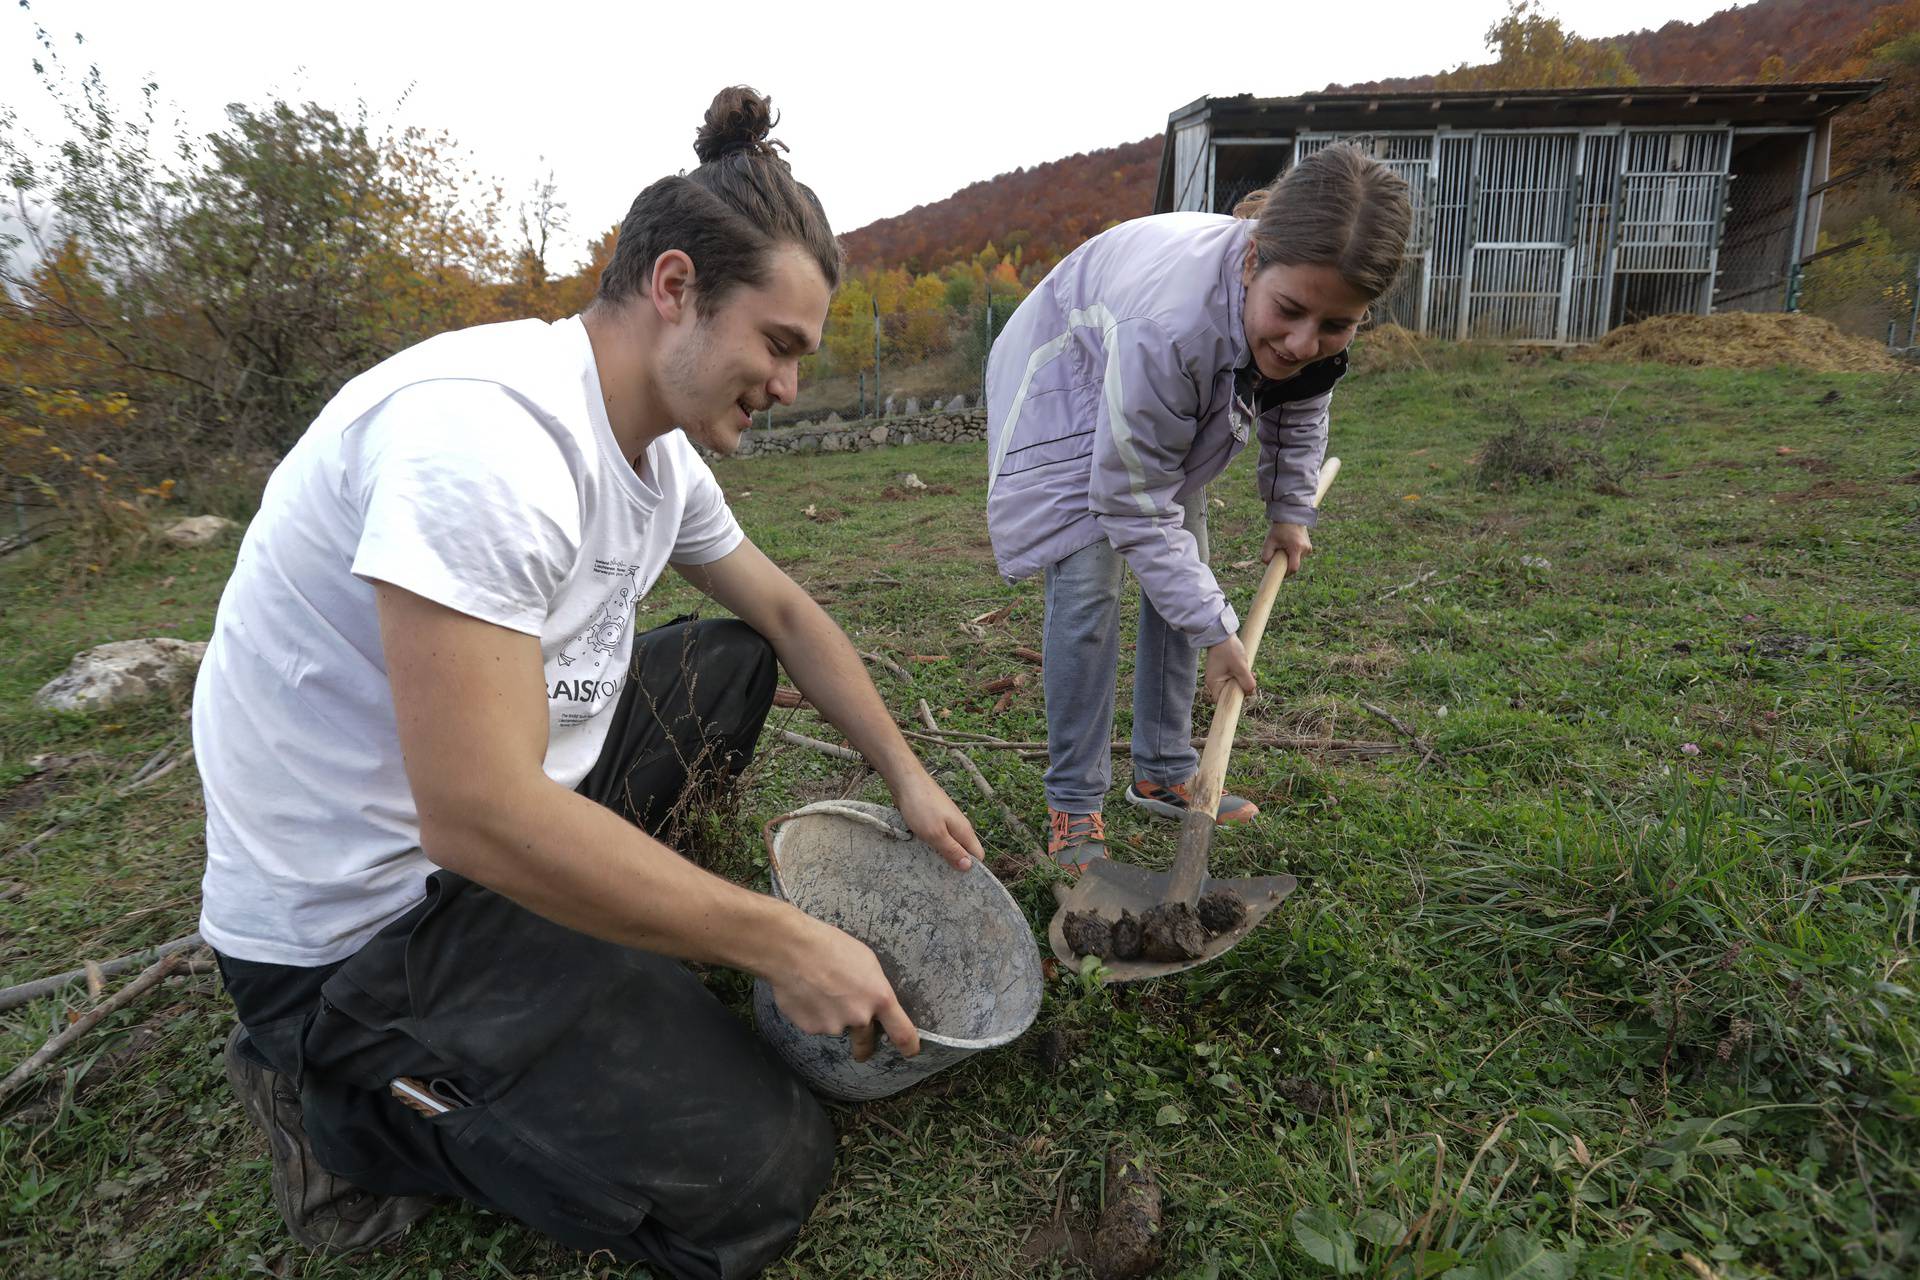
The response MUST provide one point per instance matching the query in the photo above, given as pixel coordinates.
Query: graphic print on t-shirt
(584, 679)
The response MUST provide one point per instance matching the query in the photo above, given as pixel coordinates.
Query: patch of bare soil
(29, 793)
(1126, 1244)
(48, 776)
(1818, 466)
(1743, 340)
(1830, 491)
(1379, 659)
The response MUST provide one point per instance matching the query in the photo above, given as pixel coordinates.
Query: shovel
(1106, 887)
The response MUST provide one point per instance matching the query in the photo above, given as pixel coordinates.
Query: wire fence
(910, 361)
(1865, 286)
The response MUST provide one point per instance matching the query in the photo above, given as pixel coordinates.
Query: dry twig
(833, 749)
(884, 661)
(13, 997)
(1419, 744)
(147, 981)
(1030, 846)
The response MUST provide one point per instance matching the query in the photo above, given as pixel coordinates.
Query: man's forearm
(825, 666)
(579, 864)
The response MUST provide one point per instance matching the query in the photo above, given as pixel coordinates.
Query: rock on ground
(198, 531)
(123, 671)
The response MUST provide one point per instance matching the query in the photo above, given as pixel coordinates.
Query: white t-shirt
(476, 469)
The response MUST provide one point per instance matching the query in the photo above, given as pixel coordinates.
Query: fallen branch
(14, 997)
(147, 776)
(889, 664)
(156, 767)
(1419, 743)
(993, 617)
(1028, 655)
(1407, 586)
(951, 735)
(1362, 747)
(1031, 846)
(833, 749)
(147, 981)
(21, 541)
(789, 698)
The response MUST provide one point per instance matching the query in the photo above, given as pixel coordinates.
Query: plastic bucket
(958, 948)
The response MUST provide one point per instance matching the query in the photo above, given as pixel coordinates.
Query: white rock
(833, 420)
(887, 410)
(957, 405)
(198, 531)
(912, 481)
(123, 671)
(878, 435)
(913, 406)
(1536, 562)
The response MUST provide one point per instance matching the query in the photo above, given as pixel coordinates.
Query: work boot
(1174, 801)
(1075, 839)
(321, 1211)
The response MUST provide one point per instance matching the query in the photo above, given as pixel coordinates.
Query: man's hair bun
(738, 121)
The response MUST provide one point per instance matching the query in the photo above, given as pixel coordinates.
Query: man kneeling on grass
(436, 759)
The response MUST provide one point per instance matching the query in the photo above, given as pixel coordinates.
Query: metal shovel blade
(1108, 888)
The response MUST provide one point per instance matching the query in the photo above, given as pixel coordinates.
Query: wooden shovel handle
(1190, 866)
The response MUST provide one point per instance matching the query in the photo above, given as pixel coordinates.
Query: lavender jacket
(1112, 402)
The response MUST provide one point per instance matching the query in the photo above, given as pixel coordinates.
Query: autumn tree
(1533, 51)
(216, 290)
(848, 340)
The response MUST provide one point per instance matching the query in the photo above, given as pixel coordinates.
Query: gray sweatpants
(1082, 653)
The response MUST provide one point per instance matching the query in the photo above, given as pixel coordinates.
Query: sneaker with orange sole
(1076, 840)
(1174, 801)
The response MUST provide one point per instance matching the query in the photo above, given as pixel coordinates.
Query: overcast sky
(885, 106)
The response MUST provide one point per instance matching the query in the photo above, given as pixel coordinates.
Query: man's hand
(1292, 539)
(937, 820)
(822, 662)
(837, 986)
(1227, 664)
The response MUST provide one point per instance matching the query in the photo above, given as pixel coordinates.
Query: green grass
(1617, 979)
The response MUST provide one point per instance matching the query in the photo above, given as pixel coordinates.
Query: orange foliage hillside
(1051, 208)
(1046, 211)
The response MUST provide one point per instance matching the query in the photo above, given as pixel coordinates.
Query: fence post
(875, 302)
(1913, 321)
(860, 406)
(986, 344)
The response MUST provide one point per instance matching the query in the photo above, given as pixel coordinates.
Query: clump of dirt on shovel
(1221, 910)
(1088, 934)
(1172, 932)
(1167, 934)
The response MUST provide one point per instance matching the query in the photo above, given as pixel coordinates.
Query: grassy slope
(1661, 994)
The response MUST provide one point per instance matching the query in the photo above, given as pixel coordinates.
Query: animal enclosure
(1553, 216)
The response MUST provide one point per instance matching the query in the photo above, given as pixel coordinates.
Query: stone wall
(868, 433)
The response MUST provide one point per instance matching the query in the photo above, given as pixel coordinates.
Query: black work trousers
(611, 1101)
